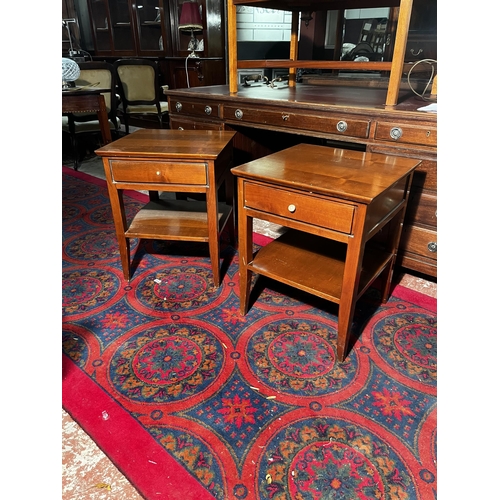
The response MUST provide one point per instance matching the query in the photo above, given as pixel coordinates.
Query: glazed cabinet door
(124, 28)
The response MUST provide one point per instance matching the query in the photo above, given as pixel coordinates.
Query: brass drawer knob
(158, 172)
(180, 128)
(342, 126)
(285, 117)
(239, 114)
(178, 106)
(292, 208)
(395, 133)
(432, 247)
(208, 110)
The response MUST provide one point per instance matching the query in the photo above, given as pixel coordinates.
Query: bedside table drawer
(159, 172)
(409, 134)
(299, 207)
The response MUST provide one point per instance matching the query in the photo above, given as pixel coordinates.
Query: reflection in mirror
(364, 34)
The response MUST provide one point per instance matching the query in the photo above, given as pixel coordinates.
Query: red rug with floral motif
(191, 400)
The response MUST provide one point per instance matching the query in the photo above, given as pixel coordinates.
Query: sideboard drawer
(300, 207)
(159, 172)
(188, 124)
(194, 108)
(419, 241)
(404, 133)
(332, 124)
(422, 208)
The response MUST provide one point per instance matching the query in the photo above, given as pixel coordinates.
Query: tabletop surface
(169, 143)
(350, 175)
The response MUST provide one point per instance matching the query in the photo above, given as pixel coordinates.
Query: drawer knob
(239, 114)
(432, 247)
(178, 106)
(180, 128)
(292, 208)
(341, 126)
(208, 110)
(158, 172)
(285, 117)
(395, 133)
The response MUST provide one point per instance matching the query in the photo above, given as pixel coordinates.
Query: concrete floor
(86, 472)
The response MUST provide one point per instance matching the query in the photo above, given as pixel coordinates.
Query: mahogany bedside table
(181, 161)
(344, 210)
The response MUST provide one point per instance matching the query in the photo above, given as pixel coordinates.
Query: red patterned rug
(191, 400)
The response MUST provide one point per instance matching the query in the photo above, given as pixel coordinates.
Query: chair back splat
(138, 84)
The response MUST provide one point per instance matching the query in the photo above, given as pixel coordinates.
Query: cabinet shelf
(283, 260)
(175, 220)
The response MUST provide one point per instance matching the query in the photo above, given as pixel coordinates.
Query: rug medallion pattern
(254, 407)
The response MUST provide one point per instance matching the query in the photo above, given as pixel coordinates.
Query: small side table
(181, 161)
(345, 212)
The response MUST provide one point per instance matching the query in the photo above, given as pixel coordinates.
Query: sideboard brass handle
(285, 117)
(208, 110)
(395, 133)
(432, 247)
(239, 114)
(418, 53)
(180, 128)
(292, 208)
(178, 106)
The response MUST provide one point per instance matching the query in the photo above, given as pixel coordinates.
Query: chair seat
(89, 126)
(145, 109)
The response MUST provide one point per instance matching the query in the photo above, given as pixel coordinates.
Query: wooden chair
(92, 75)
(139, 88)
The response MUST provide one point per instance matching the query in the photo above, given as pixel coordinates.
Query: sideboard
(270, 119)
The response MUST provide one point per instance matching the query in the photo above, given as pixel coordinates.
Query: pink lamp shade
(190, 17)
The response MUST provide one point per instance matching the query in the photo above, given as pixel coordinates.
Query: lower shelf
(175, 220)
(314, 264)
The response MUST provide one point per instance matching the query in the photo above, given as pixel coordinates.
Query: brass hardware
(428, 134)
(158, 172)
(285, 117)
(418, 53)
(180, 128)
(178, 106)
(432, 247)
(208, 110)
(395, 133)
(239, 114)
(292, 208)
(341, 126)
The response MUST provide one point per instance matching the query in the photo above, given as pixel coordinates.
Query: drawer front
(300, 207)
(333, 124)
(179, 124)
(194, 108)
(419, 241)
(422, 208)
(159, 172)
(404, 133)
(421, 46)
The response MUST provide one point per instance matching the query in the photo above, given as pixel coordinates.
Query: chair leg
(125, 119)
(75, 152)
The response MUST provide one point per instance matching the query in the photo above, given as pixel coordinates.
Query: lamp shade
(70, 70)
(190, 17)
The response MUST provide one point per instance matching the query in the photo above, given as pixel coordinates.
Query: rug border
(154, 472)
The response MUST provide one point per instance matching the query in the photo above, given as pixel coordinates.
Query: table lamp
(190, 20)
(70, 72)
